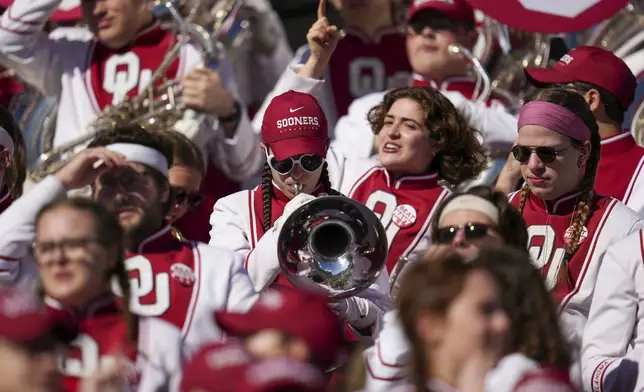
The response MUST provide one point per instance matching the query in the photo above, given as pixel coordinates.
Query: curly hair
(109, 234)
(511, 227)
(459, 153)
(16, 172)
(576, 104)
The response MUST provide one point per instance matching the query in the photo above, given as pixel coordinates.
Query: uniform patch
(183, 274)
(582, 237)
(404, 216)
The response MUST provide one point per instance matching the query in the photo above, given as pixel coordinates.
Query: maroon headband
(554, 117)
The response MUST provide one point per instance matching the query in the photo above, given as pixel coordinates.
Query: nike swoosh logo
(295, 110)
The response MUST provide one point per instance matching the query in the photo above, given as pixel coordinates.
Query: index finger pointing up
(322, 9)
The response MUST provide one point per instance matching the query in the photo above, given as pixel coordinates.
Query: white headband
(6, 140)
(472, 203)
(142, 154)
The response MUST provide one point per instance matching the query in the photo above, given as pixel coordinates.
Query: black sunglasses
(546, 154)
(308, 162)
(472, 231)
(194, 199)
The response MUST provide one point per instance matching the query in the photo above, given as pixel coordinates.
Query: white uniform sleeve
(607, 363)
(238, 157)
(353, 134)
(386, 361)
(160, 356)
(18, 227)
(27, 49)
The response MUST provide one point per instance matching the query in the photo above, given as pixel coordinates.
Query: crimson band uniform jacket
(621, 171)
(182, 283)
(548, 224)
(152, 363)
(613, 350)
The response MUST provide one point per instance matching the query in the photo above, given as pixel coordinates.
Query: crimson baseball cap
(453, 9)
(216, 368)
(294, 123)
(591, 65)
(294, 312)
(281, 374)
(24, 319)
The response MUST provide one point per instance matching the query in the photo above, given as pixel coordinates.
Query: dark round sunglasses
(193, 199)
(308, 162)
(546, 154)
(472, 231)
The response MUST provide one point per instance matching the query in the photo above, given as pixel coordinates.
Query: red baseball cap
(592, 65)
(282, 374)
(24, 319)
(216, 368)
(294, 312)
(294, 123)
(453, 9)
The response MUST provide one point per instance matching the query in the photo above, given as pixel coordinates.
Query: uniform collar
(563, 205)
(411, 182)
(618, 144)
(447, 84)
(105, 303)
(377, 37)
(159, 242)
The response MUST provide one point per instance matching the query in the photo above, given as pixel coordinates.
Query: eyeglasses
(193, 199)
(309, 162)
(472, 231)
(546, 154)
(68, 247)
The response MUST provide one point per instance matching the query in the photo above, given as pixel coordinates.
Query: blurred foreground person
(13, 165)
(79, 250)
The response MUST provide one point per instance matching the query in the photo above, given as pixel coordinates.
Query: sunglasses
(472, 231)
(193, 199)
(546, 154)
(309, 162)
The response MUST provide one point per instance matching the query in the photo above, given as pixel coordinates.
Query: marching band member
(464, 221)
(611, 356)
(249, 222)
(174, 280)
(371, 57)
(432, 26)
(570, 226)
(90, 71)
(13, 158)
(79, 251)
(185, 177)
(608, 86)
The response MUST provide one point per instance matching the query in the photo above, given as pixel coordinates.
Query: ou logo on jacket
(368, 75)
(122, 74)
(155, 288)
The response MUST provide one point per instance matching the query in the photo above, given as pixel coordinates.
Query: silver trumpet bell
(333, 246)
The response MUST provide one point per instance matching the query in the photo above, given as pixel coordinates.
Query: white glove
(290, 207)
(355, 311)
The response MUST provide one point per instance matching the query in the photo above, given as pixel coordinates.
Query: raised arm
(27, 49)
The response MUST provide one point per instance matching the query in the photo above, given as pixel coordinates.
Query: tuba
(334, 246)
(159, 105)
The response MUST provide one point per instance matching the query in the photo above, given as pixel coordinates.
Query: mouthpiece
(297, 189)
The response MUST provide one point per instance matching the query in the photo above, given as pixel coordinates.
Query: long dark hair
(16, 172)
(109, 234)
(576, 104)
(460, 155)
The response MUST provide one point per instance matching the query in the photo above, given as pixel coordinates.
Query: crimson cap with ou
(294, 124)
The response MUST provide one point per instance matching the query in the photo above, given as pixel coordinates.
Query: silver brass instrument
(483, 87)
(159, 105)
(334, 246)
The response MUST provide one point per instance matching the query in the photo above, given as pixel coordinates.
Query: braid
(524, 197)
(326, 183)
(267, 196)
(131, 321)
(584, 208)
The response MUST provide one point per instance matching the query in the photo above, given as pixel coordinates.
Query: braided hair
(267, 192)
(585, 205)
(109, 235)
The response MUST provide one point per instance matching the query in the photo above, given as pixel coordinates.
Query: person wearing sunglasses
(432, 25)
(249, 222)
(185, 177)
(569, 224)
(608, 86)
(13, 157)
